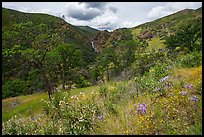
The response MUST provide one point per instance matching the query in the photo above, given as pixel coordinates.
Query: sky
(104, 15)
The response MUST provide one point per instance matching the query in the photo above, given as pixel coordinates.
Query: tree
(44, 41)
(103, 61)
(14, 88)
(71, 57)
(63, 17)
(15, 42)
(188, 36)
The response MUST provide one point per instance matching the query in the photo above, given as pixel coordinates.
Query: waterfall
(92, 44)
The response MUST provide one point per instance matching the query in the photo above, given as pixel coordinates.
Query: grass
(165, 115)
(26, 105)
(31, 105)
(155, 44)
(136, 32)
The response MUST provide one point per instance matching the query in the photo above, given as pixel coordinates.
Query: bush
(188, 36)
(63, 116)
(103, 91)
(193, 59)
(70, 116)
(159, 71)
(14, 88)
(80, 80)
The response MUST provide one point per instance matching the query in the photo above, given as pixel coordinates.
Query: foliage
(14, 88)
(117, 58)
(162, 95)
(69, 117)
(193, 59)
(177, 112)
(81, 81)
(28, 44)
(188, 36)
(103, 91)
(170, 24)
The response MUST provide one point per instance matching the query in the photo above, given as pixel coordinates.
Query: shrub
(144, 84)
(14, 88)
(63, 115)
(70, 116)
(160, 70)
(81, 81)
(103, 90)
(22, 126)
(193, 59)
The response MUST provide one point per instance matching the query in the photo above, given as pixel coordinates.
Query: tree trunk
(49, 87)
(63, 80)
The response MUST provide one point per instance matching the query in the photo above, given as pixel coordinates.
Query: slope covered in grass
(31, 104)
(120, 109)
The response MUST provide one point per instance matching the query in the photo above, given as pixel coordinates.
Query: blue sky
(104, 15)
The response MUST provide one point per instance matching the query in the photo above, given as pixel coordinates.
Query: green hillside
(20, 33)
(169, 24)
(71, 33)
(89, 31)
(154, 30)
(60, 79)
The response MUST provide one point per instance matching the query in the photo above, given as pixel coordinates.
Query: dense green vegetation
(41, 54)
(147, 79)
(113, 108)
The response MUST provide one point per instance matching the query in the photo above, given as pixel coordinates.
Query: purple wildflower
(164, 79)
(142, 108)
(170, 95)
(101, 117)
(195, 98)
(184, 92)
(188, 86)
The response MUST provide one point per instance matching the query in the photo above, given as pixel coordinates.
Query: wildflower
(74, 97)
(188, 86)
(164, 79)
(61, 102)
(101, 117)
(183, 92)
(170, 95)
(81, 93)
(156, 89)
(66, 86)
(92, 92)
(195, 98)
(60, 129)
(58, 90)
(142, 108)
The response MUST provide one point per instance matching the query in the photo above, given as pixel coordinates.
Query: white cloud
(129, 24)
(171, 7)
(80, 11)
(96, 15)
(87, 10)
(110, 15)
(98, 5)
(106, 22)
